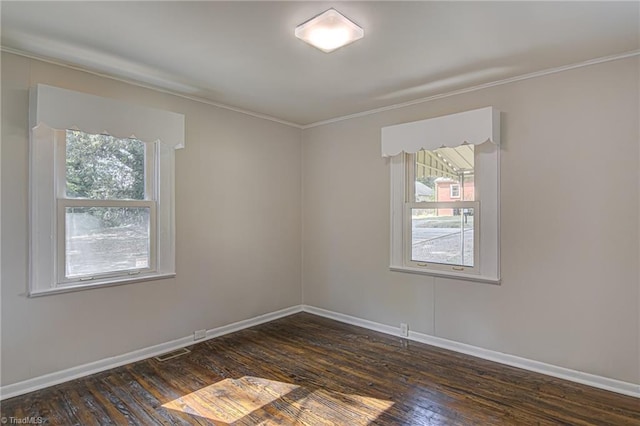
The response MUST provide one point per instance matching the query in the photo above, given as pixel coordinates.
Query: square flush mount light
(329, 31)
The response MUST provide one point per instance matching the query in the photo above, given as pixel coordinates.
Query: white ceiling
(244, 54)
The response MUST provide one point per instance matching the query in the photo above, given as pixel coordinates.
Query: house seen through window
(442, 206)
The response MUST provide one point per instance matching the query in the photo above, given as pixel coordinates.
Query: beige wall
(238, 238)
(569, 294)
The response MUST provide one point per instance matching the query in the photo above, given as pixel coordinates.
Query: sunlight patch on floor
(231, 399)
(266, 401)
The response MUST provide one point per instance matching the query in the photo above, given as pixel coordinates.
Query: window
(454, 190)
(101, 206)
(106, 207)
(442, 232)
(445, 196)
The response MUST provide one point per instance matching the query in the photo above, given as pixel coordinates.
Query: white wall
(569, 222)
(238, 234)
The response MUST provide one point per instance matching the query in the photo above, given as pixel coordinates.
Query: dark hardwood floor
(305, 369)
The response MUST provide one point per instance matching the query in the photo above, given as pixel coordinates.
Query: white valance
(66, 109)
(473, 127)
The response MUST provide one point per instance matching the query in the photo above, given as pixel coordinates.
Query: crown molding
(132, 82)
(418, 101)
(501, 82)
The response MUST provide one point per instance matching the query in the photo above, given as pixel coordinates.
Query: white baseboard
(30, 385)
(72, 373)
(618, 386)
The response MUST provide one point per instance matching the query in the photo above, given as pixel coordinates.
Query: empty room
(320, 213)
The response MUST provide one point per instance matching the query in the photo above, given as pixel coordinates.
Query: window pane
(101, 167)
(445, 174)
(106, 239)
(442, 236)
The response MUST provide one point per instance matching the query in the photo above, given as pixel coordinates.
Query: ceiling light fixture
(329, 31)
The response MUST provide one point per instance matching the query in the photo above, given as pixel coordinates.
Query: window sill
(446, 274)
(111, 282)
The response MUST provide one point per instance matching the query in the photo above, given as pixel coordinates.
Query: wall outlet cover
(404, 329)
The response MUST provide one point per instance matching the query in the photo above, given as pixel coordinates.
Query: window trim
(53, 110)
(47, 218)
(107, 282)
(488, 196)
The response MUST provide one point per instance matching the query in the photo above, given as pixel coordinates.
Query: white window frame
(51, 112)
(407, 225)
(410, 138)
(149, 201)
(408, 241)
(451, 190)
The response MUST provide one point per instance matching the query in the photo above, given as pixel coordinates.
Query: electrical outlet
(199, 334)
(404, 329)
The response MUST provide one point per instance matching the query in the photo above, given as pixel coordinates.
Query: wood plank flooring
(308, 370)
